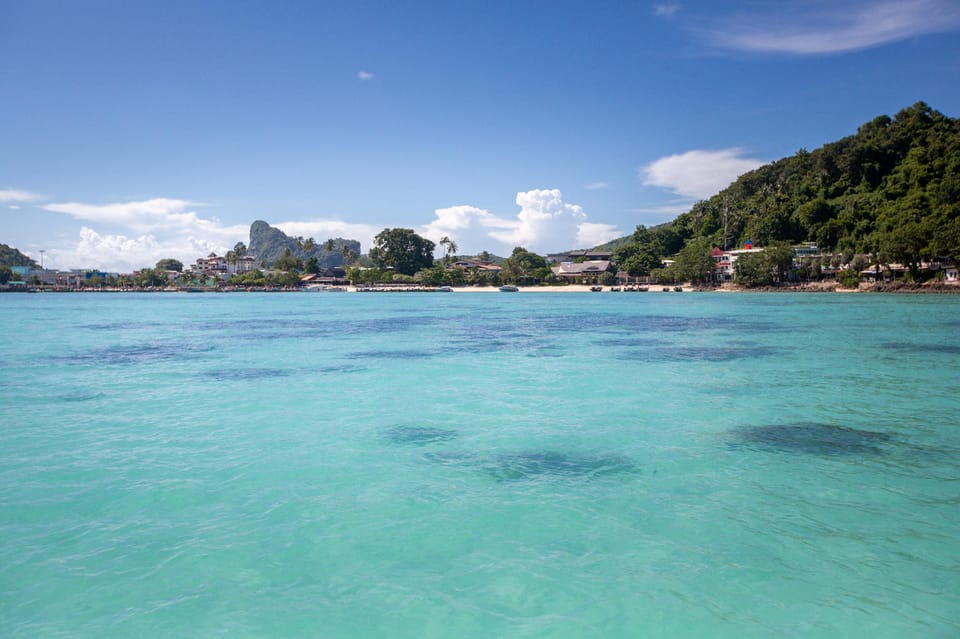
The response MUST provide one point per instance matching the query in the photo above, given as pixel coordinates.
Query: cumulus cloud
(365, 75)
(141, 232)
(828, 27)
(698, 174)
(545, 221)
(17, 195)
(120, 253)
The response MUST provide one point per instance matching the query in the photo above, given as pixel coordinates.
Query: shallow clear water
(479, 465)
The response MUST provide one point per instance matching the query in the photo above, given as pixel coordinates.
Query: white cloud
(590, 234)
(17, 195)
(143, 216)
(827, 28)
(156, 216)
(667, 10)
(120, 253)
(543, 214)
(544, 222)
(698, 174)
(159, 228)
(365, 75)
(13, 207)
(596, 186)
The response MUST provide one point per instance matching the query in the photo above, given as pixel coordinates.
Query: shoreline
(937, 288)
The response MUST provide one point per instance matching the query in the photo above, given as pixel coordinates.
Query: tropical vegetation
(891, 191)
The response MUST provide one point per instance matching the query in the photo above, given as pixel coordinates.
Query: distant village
(584, 267)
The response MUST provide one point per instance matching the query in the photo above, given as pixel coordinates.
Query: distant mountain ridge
(10, 256)
(268, 244)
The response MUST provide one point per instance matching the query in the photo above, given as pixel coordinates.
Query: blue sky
(132, 131)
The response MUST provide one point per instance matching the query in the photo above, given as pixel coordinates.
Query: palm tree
(346, 252)
(450, 247)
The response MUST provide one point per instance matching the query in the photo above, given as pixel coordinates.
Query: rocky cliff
(268, 243)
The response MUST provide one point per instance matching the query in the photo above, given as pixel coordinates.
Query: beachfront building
(806, 250)
(586, 255)
(244, 264)
(588, 272)
(217, 266)
(724, 261)
(476, 266)
(57, 279)
(945, 271)
(212, 264)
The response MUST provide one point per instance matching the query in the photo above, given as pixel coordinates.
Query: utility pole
(725, 211)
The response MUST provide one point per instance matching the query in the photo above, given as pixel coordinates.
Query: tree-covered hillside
(892, 187)
(892, 190)
(10, 256)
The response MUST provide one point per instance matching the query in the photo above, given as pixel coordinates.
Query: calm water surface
(468, 465)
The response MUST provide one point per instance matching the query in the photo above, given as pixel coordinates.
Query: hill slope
(893, 188)
(10, 256)
(892, 180)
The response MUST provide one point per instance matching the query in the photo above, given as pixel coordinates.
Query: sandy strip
(570, 288)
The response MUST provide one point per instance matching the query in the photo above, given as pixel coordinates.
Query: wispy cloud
(18, 195)
(144, 215)
(827, 27)
(544, 220)
(597, 186)
(698, 174)
(665, 10)
(666, 211)
(365, 75)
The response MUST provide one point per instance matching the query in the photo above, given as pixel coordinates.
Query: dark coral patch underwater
(813, 438)
(537, 464)
(419, 435)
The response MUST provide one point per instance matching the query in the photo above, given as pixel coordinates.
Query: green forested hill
(893, 188)
(895, 177)
(10, 256)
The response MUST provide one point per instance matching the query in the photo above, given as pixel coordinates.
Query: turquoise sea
(479, 465)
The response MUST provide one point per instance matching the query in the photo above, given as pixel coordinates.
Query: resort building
(588, 272)
(212, 264)
(218, 266)
(476, 266)
(806, 249)
(724, 261)
(579, 256)
(245, 264)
